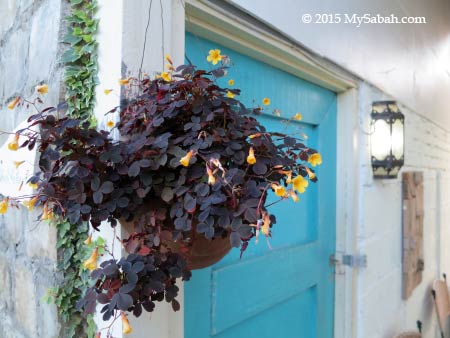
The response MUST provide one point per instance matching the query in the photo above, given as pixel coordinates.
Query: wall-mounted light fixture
(387, 139)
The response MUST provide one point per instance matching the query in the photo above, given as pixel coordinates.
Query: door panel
(286, 289)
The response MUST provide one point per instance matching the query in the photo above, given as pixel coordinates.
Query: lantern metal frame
(390, 163)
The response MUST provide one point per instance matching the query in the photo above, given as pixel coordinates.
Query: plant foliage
(192, 161)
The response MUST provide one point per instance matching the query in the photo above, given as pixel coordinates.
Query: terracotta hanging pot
(202, 252)
(199, 252)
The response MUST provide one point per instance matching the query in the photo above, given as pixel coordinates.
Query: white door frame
(231, 27)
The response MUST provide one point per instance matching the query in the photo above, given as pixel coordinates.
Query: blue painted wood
(288, 291)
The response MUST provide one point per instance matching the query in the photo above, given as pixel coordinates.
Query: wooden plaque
(413, 261)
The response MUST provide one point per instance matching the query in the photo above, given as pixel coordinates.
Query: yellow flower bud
(297, 117)
(211, 178)
(311, 175)
(231, 82)
(14, 145)
(266, 101)
(47, 214)
(168, 59)
(4, 206)
(107, 91)
(18, 163)
(230, 94)
(265, 229)
(31, 203)
(166, 76)
(13, 103)
(88, 240)
(187, 158)
(279, 190)
(91, 262)
(42, 89)
(251, 159)
(33, 185)
(123, 82)
(254, 135)
(126, 324)
(293, 196)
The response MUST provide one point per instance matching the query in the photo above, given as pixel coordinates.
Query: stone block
(44, 41)
(25, 300)
(48, 325)
(40, 238)
(8, 11)
(13, 65)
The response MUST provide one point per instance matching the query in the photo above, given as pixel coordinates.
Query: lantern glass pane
(393, 107)
(381, 140)
(397, 139)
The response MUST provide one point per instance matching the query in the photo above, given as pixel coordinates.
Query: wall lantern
(387, 139)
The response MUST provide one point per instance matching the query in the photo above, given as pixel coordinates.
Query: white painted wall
(381, 312)
(409, 61)
(411, 64)
(121, 39)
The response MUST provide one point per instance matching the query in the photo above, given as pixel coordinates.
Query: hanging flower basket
(198, 251)
(189, 180)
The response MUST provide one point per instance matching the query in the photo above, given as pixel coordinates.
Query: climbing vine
(81, 68)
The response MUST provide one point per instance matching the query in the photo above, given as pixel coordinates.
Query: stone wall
(30, 31)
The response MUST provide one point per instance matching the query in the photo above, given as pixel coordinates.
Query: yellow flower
(31, 203)
(315, 159)
(14, 145)
(166, 76)
(123, 82)
(110, 124)
(300, 184)
(107, 91)
(214, 56)
(4, 206)
(88, 240)
(230, 94)
(168, 59)
(293, 195)
(279, 190)
(18, 163)
(126, 324)
(91, 262)
(265, 229)
(42, 89)
(311, 175)
(13, 103)
(47, 214)
(266, 101)
(187, 158)
(33, 185)
(211, 178)
(251, 159)
(297, 117)
(231, 82)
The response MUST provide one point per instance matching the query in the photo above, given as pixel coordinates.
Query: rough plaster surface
(30, 32)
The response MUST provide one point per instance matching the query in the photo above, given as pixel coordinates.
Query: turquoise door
(286, 291)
